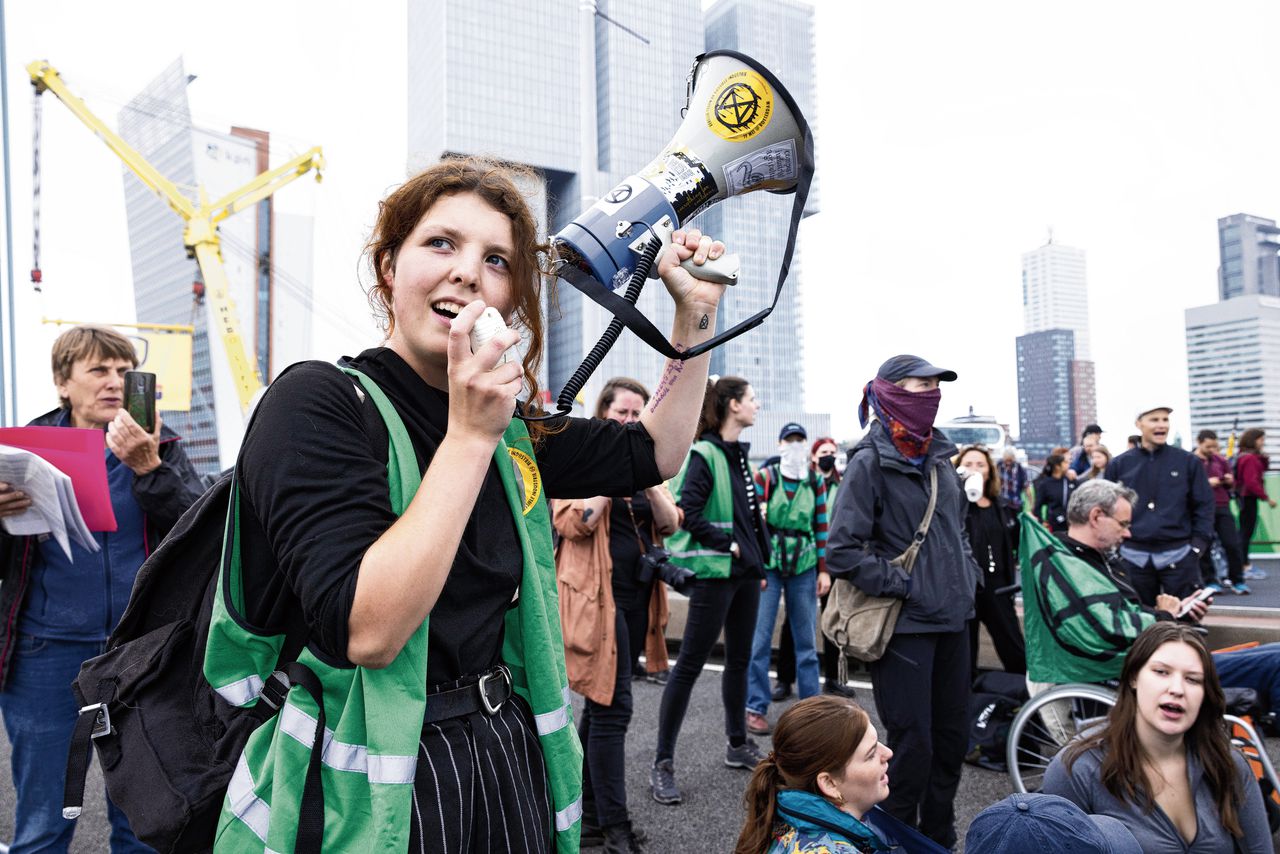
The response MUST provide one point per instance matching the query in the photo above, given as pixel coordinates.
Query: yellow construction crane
(201, 233)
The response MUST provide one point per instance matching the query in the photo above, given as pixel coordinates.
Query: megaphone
(742, 132)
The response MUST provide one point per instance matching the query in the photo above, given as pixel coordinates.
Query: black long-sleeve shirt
(748, 528)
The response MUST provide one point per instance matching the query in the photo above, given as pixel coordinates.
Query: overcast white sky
(950, 138)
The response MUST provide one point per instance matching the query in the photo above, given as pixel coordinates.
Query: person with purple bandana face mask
(921, 684)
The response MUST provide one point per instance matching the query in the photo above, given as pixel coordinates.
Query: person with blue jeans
(61, 607)
(796, 514)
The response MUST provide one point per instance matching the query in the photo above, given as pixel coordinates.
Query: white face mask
(795, 458)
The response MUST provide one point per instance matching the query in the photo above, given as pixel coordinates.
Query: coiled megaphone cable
(564, 403)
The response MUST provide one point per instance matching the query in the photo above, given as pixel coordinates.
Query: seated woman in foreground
(1162, 763)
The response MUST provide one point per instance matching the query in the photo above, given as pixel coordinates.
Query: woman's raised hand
(482, 393)
(687, 290)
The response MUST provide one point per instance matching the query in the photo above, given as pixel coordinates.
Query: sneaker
(662, 783)
(623, 839)
(781, 691)
(1252, 574)
(1239, 588)
(657, 678)
(1213, 587)
(758, 724)
(839, 690)
(747, 755)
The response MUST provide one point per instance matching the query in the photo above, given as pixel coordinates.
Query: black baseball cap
(906, 365)
(791, 428)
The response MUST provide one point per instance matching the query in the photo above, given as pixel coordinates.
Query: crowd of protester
(657, 493)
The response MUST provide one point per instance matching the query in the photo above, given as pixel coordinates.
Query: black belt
(487, 694)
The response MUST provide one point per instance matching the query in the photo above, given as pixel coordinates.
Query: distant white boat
(982, 430)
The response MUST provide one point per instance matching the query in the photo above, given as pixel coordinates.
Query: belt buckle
(102, 719)
(499, 671)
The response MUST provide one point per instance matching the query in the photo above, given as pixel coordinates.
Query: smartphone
(1200, 596)
(140, 398)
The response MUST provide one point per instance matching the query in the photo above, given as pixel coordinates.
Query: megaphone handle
(720, 271)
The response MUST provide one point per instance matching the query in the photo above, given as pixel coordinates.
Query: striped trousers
(481, 786)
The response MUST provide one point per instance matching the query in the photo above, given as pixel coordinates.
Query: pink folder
(79, 454)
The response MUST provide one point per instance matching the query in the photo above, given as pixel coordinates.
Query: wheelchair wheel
(1046, 723)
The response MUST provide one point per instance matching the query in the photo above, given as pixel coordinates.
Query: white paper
(53, 508)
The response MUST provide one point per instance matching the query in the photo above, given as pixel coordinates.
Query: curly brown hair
(497, 184)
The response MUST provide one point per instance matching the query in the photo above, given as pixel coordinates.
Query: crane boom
(201, 233)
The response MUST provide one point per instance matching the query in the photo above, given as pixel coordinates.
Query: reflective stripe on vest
(374, 717)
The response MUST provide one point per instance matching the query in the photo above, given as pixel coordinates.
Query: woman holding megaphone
(394, 526)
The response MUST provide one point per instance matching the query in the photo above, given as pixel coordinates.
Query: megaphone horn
(742, 132)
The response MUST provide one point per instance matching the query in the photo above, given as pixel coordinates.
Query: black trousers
(921, 689)
(1180, 579)
(1224, 525)
(787, 652)
(603, 732)
(1248, 522)
(481, 786)
(634, 604)
(998, 615)
(730, 604)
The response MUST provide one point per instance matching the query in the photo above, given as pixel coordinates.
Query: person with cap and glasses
(1173, 516)
(1046, 824)
(795, 502)
(921, 683)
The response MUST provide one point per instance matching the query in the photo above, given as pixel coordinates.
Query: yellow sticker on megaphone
(740, 106)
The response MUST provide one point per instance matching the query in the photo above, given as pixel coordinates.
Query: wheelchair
(1049, 720)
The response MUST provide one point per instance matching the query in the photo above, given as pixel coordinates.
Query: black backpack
(995, 701)
(167, 742)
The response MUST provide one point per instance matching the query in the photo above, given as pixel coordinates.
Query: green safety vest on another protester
(790, 524)
(374, 717)
(1079, 625)
(685, 550)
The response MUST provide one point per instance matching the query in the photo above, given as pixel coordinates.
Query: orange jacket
(584, 576)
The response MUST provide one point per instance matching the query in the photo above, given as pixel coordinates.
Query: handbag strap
(635, 526)
(908, 558)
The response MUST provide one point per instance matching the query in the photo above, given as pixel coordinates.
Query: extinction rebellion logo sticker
(741, 106)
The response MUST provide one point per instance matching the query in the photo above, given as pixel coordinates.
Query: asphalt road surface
(708, 820)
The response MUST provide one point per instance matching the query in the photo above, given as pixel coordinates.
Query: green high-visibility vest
(685, 550)
(786, 517)
(374, 717)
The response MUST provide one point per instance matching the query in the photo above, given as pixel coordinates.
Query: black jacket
(997, 560)
(881, 502)
(748, 533)
(1175, 502)
(163, 494)
(1054, 494)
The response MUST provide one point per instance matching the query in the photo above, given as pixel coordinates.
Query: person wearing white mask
(795, 502)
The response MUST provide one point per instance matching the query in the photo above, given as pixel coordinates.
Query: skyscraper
(1233, 345)
(586, 94)
(1247, 248)
(779, 35)
(1046, 404)
(157, 123)
(1055, 298)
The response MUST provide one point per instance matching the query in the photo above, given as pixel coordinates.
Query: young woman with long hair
(1163, 763)
(469, 747)
(812, 793)
(993, 538)
(722, 540)
(604, 613)
(1251, 468)
(1099, 457)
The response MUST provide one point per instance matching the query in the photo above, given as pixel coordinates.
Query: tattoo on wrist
(586, 514)
(704, 322)
(675, 367)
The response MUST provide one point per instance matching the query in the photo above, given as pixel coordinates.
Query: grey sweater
(1154, 831)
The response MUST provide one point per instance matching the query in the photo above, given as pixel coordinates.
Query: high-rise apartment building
(1233, 365)
(1055, 298)
(587, 94)
(1046, 403)
(269, 279)
(1249, 263)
